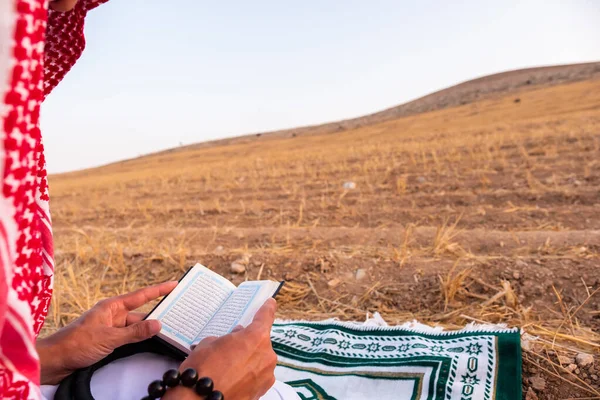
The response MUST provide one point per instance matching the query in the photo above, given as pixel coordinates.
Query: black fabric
(77, 385)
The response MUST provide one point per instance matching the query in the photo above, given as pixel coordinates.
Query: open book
(206, 304)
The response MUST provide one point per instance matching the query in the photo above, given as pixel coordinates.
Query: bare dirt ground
(487, 211)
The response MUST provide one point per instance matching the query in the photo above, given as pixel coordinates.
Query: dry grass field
(487, 211)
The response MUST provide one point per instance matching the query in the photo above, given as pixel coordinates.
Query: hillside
(484, 211)
(487, 87)
(464, 93)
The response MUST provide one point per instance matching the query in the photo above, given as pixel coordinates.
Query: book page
(187, 310)
(239, 309)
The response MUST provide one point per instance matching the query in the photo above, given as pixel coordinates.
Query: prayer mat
(332, 360)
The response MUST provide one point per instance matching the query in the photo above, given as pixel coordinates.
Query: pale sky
(158, 73)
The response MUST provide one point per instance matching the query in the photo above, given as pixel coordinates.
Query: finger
(139, 331)
(136, 299)
(265, 316)
(134, 317)
(237, 328)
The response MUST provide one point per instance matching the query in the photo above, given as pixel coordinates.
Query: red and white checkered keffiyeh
(37, 48)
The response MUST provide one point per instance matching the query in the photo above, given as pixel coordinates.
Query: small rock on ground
(583, 359)
(565, 360)
(521, 264)
(531, 395)
(219, 250)
(333, 283)
(537, 382)
(237, 267)
(361, 274)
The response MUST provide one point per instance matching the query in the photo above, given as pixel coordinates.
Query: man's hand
(108, 325)
(241, 364)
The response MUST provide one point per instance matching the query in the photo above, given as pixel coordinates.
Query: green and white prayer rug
(332, 360)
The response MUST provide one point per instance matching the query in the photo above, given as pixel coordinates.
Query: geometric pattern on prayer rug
(333, 360)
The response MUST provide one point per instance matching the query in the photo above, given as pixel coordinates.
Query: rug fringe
(377, 323)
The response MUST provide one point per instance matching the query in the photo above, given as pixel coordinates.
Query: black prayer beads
(204, 386)
(188, 378)
(156, 389)
(216, 395)
(171, 378)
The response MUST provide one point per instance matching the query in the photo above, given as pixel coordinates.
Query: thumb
(139, 331)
